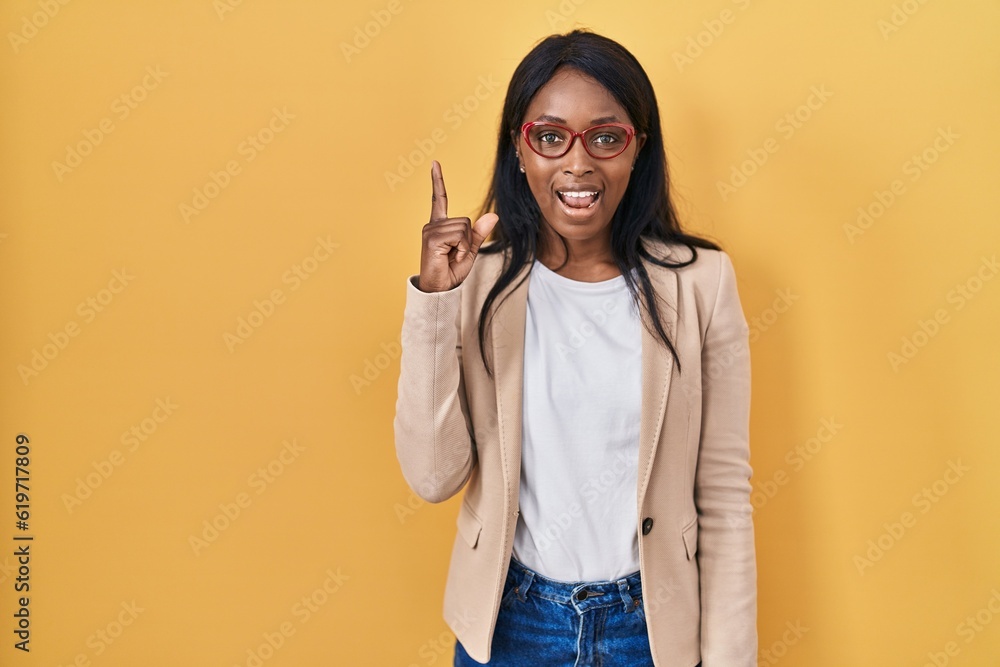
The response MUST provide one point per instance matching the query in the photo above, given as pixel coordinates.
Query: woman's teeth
(579, 199)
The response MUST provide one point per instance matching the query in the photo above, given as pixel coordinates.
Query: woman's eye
(549, 137)
(605, 139)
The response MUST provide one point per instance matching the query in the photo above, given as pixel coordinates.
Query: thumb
(482, 228)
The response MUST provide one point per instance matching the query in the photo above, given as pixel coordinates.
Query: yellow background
(319, 372)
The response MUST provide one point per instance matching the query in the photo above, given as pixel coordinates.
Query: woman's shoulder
(696, 261)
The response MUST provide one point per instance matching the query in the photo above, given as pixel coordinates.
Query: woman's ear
(640, 139)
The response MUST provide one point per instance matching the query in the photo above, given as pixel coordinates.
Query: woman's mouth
(583, 199)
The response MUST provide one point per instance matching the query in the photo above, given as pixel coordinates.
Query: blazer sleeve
(432, 426)
(726, 557)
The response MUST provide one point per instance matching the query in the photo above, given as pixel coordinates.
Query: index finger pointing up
(439, 197)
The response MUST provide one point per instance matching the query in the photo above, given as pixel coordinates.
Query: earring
(522, 168)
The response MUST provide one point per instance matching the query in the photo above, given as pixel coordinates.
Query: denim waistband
(580, 595)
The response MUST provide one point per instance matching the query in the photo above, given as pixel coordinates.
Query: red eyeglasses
(600, 141)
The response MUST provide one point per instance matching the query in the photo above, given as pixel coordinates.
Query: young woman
(585, 377)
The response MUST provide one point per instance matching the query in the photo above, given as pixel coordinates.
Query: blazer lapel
(657, 367)
(507, 332)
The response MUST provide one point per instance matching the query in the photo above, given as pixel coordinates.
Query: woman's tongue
(577, 202)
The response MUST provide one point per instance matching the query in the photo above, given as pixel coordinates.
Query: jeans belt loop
(626, 596)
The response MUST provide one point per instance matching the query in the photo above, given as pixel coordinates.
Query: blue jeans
(556, 624)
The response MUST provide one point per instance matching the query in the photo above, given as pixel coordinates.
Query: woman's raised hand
(450, 245)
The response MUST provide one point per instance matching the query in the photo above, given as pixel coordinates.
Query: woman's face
(577, 101)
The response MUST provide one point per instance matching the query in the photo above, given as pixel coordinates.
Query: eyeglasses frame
(629, 130)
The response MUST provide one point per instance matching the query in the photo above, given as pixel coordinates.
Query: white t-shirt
(580, 429)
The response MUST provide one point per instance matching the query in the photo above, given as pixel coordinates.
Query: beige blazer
(456, 428)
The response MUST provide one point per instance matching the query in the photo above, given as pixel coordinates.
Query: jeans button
(582, 595)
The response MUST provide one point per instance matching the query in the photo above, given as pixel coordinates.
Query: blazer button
(647, 525)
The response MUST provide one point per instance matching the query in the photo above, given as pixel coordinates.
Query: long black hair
(645, 209)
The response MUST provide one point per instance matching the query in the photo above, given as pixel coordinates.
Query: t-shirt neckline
(600, 285)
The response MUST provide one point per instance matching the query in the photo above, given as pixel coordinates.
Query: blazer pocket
(469, 525)
(690, 536)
